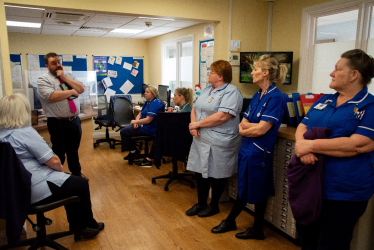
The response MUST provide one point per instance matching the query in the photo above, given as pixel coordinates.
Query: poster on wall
(206, 57)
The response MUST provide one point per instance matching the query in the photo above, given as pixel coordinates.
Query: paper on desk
(112, 73)
(119, 60)
(109, 92)
(127, 65)
(134, 72)
(111, 60)
(107, 82)
(126, 87)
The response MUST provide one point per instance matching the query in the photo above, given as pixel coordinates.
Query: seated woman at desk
(48, 182)
(183, 99)
(144, 124)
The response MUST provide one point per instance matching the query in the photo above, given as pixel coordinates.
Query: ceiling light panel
(111, 19)
(23, 24)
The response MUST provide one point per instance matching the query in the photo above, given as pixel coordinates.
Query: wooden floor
(141, 215)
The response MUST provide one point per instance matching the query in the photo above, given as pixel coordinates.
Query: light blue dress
(215, 152)
(33, 151)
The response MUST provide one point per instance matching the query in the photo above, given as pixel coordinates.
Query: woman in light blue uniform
(214, 125)
(348, 172)
(259, 128)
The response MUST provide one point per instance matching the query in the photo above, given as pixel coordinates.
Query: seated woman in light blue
(183, 99)
(48, 182)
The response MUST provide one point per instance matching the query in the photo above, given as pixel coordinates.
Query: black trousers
(127, 145)
(334, 227)
(79, 214)
(66, 138)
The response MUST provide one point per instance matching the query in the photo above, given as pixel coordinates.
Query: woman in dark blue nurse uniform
(259, 128)
(348, 172)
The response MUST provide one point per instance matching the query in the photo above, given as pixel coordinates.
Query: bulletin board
(16, 70)
(206, 57)
(75, 62)
(126, 74)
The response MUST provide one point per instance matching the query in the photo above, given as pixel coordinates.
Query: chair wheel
(166, 188)
(153, 181)
(112, 146)
(130, 162)
(48, 221)
(163, 161)
(193, 185)
(36, 228)
(94, 145)
(77, 237)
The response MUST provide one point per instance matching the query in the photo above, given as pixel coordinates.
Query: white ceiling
(61, 22)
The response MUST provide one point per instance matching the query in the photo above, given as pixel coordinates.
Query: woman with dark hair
(183, 99)
(214, 125)
(348, 172)
(259, 128)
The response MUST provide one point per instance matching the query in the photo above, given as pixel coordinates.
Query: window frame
(177, 42)
(309, 26)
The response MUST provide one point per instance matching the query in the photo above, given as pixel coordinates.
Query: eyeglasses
(211, 72)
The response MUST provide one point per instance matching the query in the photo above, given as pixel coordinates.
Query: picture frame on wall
(247, 60)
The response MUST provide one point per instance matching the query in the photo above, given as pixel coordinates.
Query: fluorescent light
(22, 7)
(156, 18)
(129, 31)
(23, 24)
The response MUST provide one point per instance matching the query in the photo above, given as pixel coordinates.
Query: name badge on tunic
(320, 106)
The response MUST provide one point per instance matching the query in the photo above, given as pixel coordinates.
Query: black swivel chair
(103, 121)
(123, 112)
(11, 161)
(173, 139)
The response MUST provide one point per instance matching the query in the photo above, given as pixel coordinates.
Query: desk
(85, 148)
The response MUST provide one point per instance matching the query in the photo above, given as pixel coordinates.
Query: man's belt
(66, 118)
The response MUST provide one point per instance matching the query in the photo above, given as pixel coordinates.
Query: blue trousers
(127, 145)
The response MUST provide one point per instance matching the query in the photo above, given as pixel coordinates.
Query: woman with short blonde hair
(15, 111)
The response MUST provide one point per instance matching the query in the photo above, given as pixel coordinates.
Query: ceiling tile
(13, 11)
(148, 34)
(89, 33)
(23, 30)
(155, 22)
(58, 32)
(102, 25)
(24, 19)
(165, 29)
(60, 27)
(111, 19)
(117, 35)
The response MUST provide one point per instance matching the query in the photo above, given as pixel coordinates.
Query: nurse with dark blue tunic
(259, 129)
(348, 172)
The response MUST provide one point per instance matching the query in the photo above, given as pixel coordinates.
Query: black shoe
(87, 233)
(132, 155)
(209, 211)
(250, 233)
(144, 163)
(195, 209)
(224, 226)
(100, 226)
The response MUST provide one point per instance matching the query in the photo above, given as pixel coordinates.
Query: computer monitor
(164, 94)
(144, 86)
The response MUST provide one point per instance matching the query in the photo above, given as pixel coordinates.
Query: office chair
(11, 215)
(173, 139)
(103, 121)
(123, 113)
(139, 140)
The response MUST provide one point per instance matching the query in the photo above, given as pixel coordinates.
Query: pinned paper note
(126, 87)
(111, 60)
(112, 73)
(67, 58)
(135, 64)
(127, 66)
(108, 93)
(107, 82)
(134, 72)
(119, 60)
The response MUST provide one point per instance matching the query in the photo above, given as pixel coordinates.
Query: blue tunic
(346, 178)
(255, 170)
(215, 152)
(150, 108)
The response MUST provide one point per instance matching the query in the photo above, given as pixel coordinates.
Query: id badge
(320, 106)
